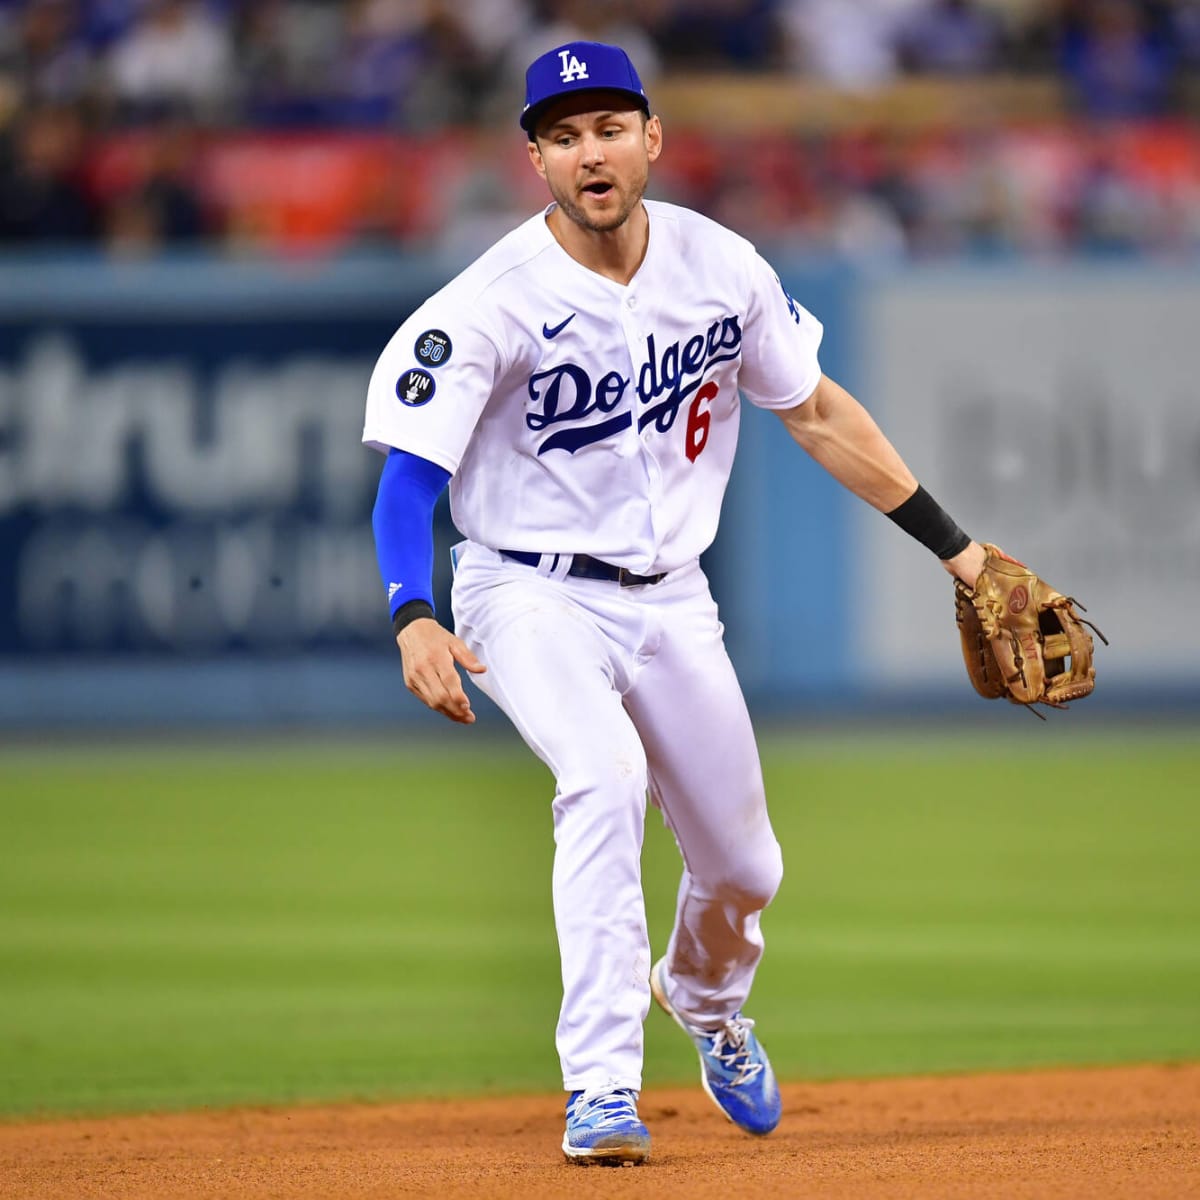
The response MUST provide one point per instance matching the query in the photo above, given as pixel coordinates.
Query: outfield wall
(184, 503)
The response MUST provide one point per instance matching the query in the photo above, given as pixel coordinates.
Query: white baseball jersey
(577, 414)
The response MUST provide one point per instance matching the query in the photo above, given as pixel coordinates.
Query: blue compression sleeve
(403, 523)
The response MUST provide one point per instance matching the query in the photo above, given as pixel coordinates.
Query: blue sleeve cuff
(403, 522)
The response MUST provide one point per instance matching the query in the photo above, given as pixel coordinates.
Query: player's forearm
(842, 436)
(403, 523)
(837, 432)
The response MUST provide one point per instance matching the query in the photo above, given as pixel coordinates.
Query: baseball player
(579, 387)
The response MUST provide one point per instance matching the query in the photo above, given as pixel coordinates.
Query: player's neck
(615, 253)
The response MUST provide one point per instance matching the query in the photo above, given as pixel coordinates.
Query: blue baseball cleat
(734, 1068)
(603, 1127)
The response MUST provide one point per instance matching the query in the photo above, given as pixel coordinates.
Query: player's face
(596, 160)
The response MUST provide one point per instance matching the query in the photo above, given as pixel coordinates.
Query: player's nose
(593, 150)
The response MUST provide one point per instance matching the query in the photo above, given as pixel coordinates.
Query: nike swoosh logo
(548, 332)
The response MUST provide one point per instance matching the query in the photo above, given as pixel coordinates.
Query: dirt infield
(1126, 1132)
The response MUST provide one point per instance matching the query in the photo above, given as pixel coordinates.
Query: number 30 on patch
(433, 348)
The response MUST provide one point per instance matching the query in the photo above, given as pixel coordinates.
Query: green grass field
(299, 921)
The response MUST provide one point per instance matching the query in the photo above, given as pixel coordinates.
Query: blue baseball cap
(578, 67)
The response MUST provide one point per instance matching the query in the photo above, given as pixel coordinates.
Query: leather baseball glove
(1022, 639)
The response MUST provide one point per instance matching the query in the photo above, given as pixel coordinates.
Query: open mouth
(598, 189)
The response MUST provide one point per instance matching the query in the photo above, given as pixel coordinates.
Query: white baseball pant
(621, 691)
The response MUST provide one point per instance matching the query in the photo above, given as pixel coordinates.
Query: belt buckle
(627, 578)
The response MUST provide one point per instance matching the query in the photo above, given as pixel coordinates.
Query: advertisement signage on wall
(186, 485)
(1058, 415)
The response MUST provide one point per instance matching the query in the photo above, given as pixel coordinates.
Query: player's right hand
(429, 652)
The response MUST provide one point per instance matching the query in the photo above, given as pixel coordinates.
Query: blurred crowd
(137, 124)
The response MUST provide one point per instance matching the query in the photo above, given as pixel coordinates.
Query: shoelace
(731, 1048)
(602, 1108)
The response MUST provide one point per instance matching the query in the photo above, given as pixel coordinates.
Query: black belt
(584, 566)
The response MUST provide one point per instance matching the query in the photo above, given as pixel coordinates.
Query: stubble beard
(578, 215)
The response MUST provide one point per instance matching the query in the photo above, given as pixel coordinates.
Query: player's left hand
(1021, 639)
(429, 652)
(967, 564)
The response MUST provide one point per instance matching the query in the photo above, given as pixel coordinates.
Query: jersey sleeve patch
(433, 348)
(415, 387)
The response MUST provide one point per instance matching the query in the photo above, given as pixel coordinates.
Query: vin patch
(415, 387)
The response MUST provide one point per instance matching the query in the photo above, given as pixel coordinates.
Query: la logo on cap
(577, 67)
(572, 68)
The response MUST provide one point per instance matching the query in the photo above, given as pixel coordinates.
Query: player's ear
(535, 157)
(654, 138)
